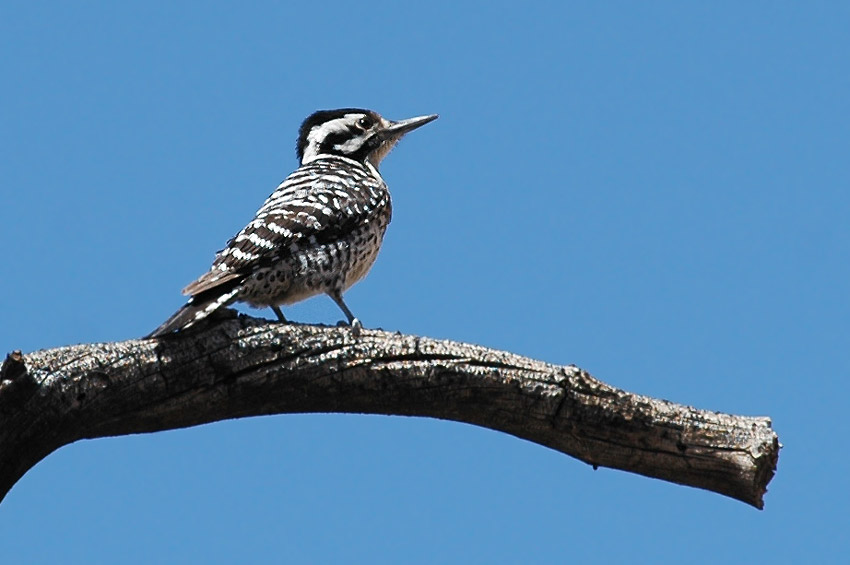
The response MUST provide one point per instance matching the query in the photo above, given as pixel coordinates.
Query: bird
(319, 232)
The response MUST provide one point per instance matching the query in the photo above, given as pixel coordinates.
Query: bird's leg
(352, 321)
(279, 314)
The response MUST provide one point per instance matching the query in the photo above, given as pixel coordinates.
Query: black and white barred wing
(311, 207)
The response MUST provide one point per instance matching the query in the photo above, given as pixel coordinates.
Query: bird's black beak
(398, 129)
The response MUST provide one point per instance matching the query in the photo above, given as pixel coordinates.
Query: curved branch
(247, 367)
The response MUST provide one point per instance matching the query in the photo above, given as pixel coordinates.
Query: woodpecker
(318, 233)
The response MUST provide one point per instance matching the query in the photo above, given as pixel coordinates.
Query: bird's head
(354, 133)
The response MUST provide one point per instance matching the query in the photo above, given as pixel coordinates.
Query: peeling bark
(246, 367)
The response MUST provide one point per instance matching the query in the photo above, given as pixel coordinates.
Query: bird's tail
(196, 309)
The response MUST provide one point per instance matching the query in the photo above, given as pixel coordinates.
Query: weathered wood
(247, 367)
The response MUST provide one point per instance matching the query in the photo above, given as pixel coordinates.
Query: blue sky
(656, 193)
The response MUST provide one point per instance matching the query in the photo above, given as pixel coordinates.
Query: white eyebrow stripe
(321, 132)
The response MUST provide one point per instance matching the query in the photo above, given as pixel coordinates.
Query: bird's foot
(355, 325)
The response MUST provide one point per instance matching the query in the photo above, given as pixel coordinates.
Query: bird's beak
(398, 129)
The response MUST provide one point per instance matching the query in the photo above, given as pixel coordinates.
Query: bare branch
(248, 367)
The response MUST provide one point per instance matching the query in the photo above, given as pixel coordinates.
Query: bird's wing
(309, 208)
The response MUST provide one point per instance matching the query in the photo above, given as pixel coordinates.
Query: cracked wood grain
(246, 367)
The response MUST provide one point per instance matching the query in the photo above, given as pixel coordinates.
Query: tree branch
(247, 367)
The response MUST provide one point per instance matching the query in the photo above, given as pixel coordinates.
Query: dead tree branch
(247, 367)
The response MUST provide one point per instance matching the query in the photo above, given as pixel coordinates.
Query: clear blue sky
(659, 194)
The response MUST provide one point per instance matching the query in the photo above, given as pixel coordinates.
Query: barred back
(322, 202)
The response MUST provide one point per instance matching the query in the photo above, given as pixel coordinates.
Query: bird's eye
(365, 122)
